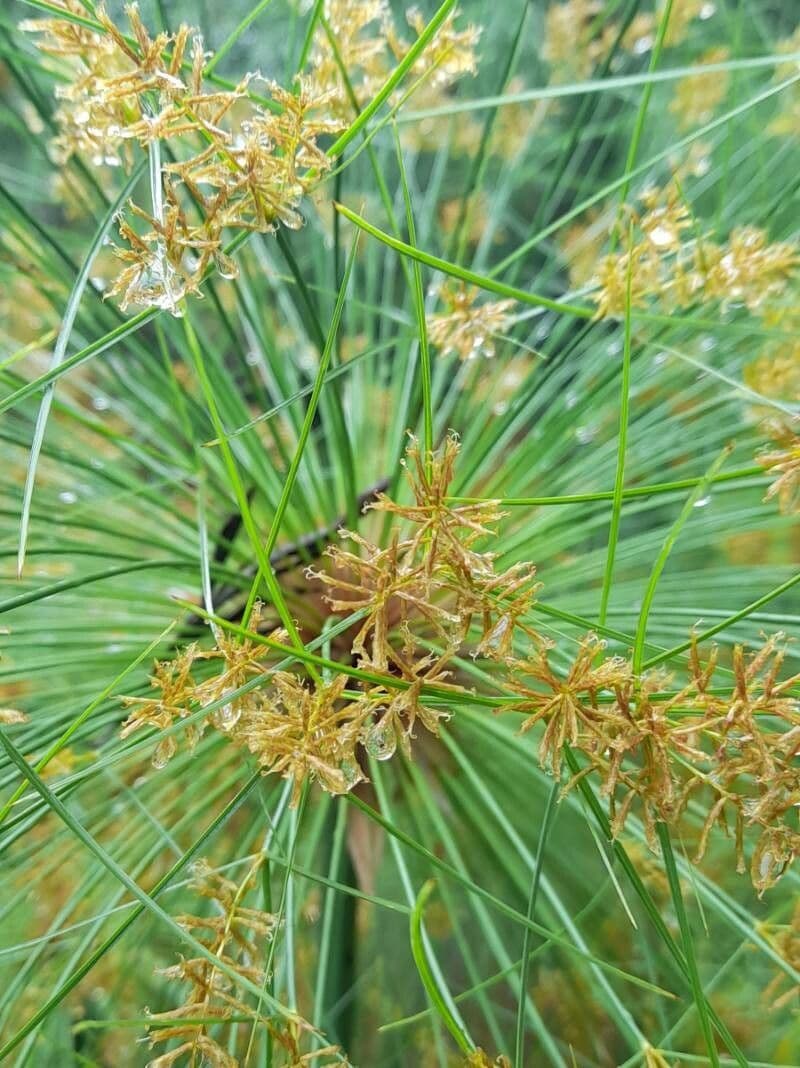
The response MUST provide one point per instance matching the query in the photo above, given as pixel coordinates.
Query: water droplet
(708, 342)
(381, 740)
(662, 236)
(585, 434)
(229, 715)
(165, 750)
(702, 502)
(101, 404)
(225, 266)
(351, 772)
(659, 359)
(114, 647)
(494, 639)
(643, 44)
(67, 497)
(707, 11)
(614, 347)
(571, 398)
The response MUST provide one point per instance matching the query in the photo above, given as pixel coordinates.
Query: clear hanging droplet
(494, 639)
(702, 502)
(351, 773)
(225, 266)
(164, 752)
(381, 740)
(229, 715)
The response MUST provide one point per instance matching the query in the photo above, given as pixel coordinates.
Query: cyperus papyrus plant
(399, 658)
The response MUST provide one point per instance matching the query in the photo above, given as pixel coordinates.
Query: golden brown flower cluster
(235, 165)
(230, 163)
(354, 55)
(726, 741)
(11, 716)
(732, 747)
(480, 1059)
(579, 35)
(697, 96)
(467, 328)
(430, 589)
(775, 372)
(670, 262)
(783, 461)
(234, 934)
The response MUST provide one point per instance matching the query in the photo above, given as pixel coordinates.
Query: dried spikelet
(231, 933)
(467, 328)
(369, 45)
(121, 91)
(359, 29)
(479, 1059)
(579, 35)
(10, 716)
(783, 461)
(682, 15)
(182, 694)
(572, 45)
(697, 96)
(776, 370)
(241, 660)
(305, 733)
(250, 175)
(613, 274)
(672, 263)
(748, 270)
(173, 678)
(449, 56)
(567, 704)
(736, 754)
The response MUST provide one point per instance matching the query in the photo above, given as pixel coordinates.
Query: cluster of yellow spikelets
(725, 740)
(222, 160)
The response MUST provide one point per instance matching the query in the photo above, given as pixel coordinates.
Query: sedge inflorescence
(723, 741)
(782, 460)
(580, 34)
(729, 748)
(671, 263)
(467, 327)
(222, 160)
(216, 987)
(359, 45)
(420, 600)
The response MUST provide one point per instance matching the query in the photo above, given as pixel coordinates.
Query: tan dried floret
(233, 934)
(783, 461)
(697, 96)
(674, 263)
(368, 46)
(11, 716)
(467, 328)
(305, 733)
